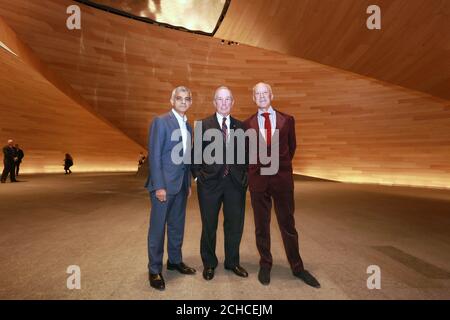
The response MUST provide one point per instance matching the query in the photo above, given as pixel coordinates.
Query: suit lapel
(214, 122)
(254, 122)
(254, 125)
(173, 120)
(232, 123)
(280, 120)
(173, 123)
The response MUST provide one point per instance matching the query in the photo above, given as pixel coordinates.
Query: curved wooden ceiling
(412, 49)
(349, 127)
(47, 121)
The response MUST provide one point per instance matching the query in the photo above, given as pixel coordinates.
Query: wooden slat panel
(412, 49)
(47, 123)
(349, 127)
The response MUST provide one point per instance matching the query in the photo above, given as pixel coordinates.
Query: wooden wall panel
(412, 49)
(349, 127)
(47, 124)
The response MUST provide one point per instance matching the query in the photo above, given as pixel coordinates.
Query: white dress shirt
(182, 123)
(227, 122)
(261, 121)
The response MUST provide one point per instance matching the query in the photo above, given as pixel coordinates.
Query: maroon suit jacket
(283, 180)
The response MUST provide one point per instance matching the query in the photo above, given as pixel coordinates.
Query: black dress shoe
(308, 278)
(180, 267)
(208, 273)
(239, 271)
(157, 281)
(264, 276)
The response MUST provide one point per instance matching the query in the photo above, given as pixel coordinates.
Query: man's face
(10, 143)
(223, 102)
(182, 102)
(262, 96)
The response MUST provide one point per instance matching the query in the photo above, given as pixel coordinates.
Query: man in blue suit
(169, 184)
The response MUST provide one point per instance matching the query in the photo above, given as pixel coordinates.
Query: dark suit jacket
(20, 154)
(211, 174)
(283, 180)
(163, 172)
(9, 154)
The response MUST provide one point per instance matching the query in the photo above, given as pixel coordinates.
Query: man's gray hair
(223, 88)
(180, 89)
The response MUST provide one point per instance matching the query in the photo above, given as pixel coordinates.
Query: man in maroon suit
(278, 186)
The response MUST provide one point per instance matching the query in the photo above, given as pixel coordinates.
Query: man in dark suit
(169, 184)
(20, 156)
(9, 160)
(278, 186)
(221, 183)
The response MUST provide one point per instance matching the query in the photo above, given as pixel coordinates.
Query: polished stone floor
(99, 222)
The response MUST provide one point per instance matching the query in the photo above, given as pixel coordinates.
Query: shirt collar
(220, 117)
(270, 110)
(178, 116)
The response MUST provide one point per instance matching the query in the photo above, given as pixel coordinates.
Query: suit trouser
(284, 210)
(17, 167)
(171, 212)
(232, 197)
(9, 168)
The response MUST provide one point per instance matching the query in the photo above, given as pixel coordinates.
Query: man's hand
(161, 195)
(190, 192)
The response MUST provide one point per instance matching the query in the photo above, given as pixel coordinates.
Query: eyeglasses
(180, 99)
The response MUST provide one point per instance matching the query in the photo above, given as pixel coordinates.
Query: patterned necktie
(267, 127)
(226, 168)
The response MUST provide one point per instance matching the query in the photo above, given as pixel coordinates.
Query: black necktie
(226, 169)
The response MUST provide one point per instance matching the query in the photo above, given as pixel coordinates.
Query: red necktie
(267, 127)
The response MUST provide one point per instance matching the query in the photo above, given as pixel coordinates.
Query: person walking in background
(68, 162)
(9, 160)
(20, 154)
(141, 159)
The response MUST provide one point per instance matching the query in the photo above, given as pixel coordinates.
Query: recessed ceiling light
(198, 16)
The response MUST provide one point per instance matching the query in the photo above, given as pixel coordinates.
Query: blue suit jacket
(163, 172)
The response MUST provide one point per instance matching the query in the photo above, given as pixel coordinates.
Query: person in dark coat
(9, 159)
(68, 162)
(20, 155)
(221, 184)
